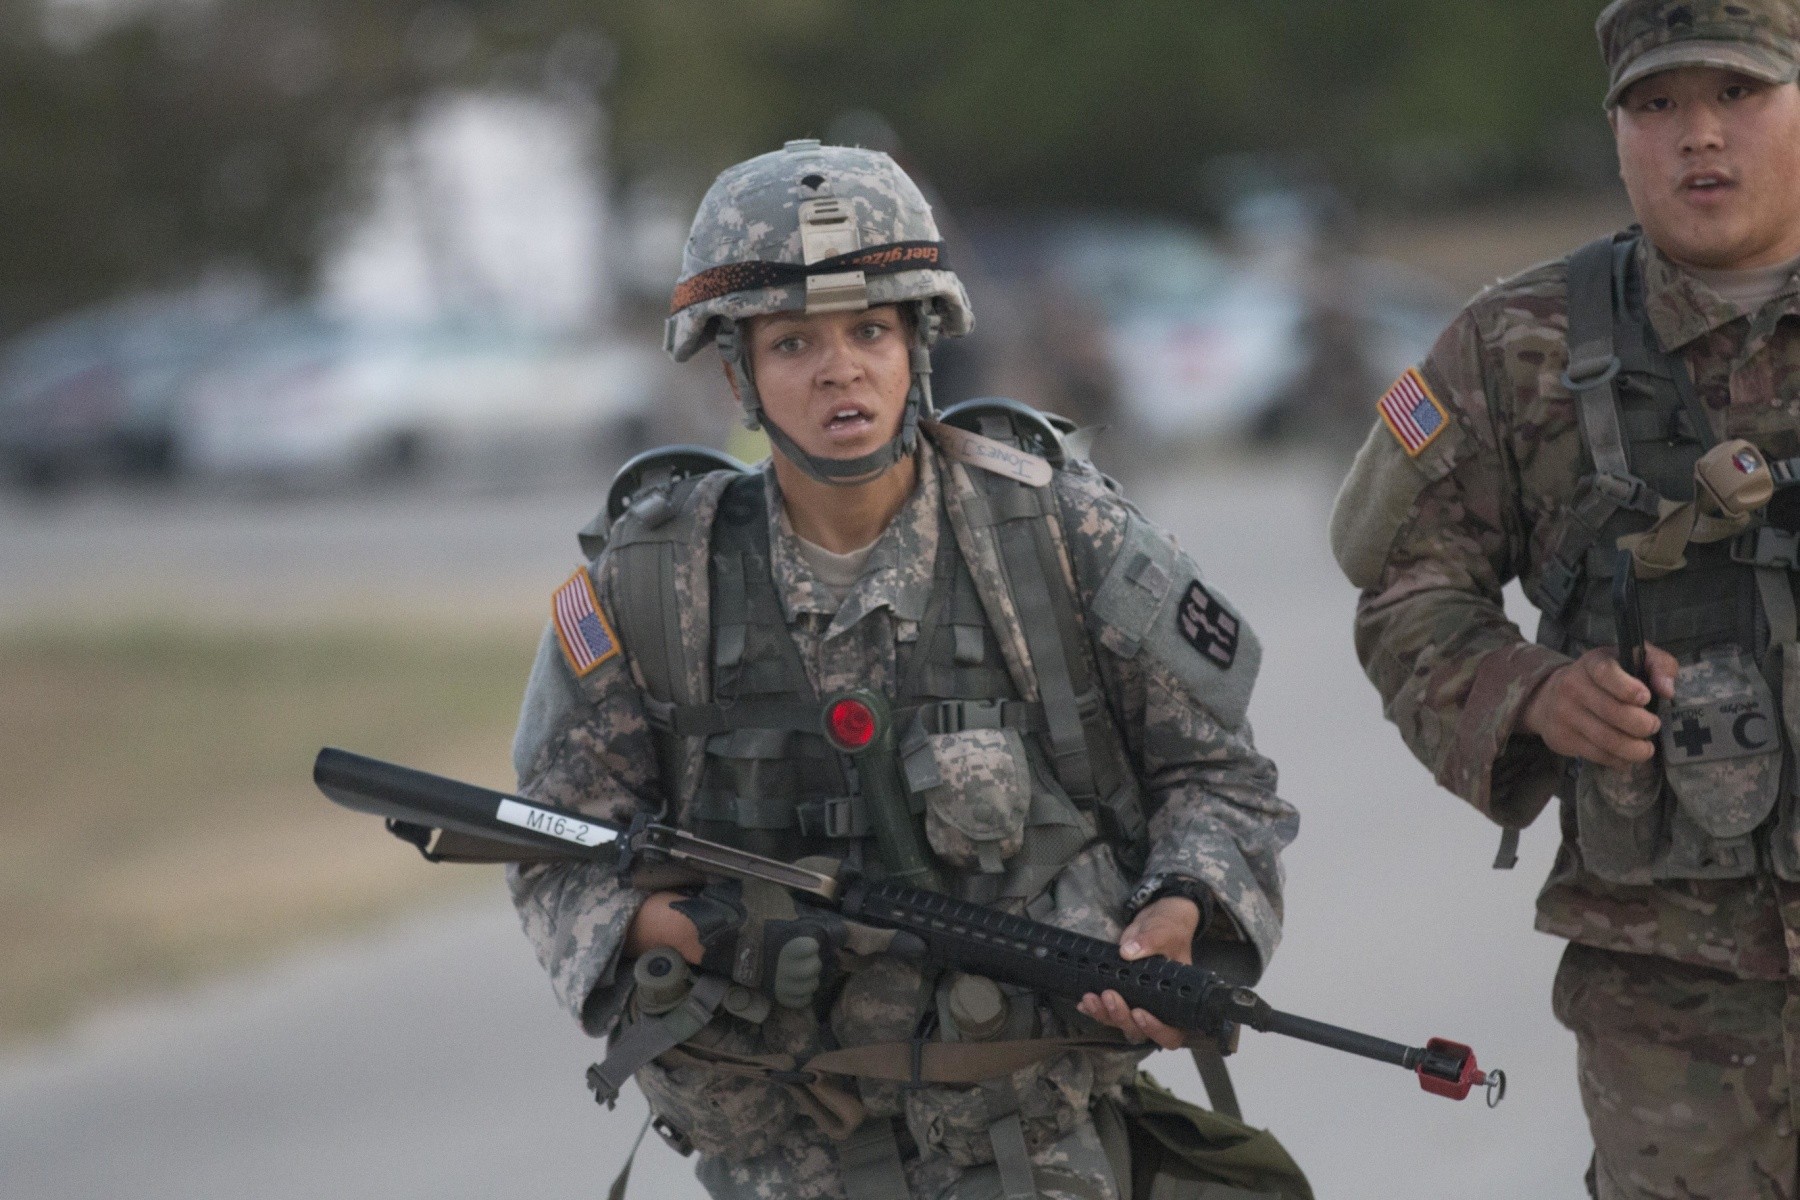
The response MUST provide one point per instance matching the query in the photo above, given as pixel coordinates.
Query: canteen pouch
(976, 789)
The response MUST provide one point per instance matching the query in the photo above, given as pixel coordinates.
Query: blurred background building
(323, 324)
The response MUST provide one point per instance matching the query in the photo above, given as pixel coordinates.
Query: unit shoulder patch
(1205, 625)
(587, 639)
(1412, 413)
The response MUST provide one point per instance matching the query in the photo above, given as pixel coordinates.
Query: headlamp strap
(889, 259)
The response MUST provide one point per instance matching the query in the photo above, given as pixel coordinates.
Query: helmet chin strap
(837, 472)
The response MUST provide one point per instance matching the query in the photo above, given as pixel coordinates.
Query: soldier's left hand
(1165, 927)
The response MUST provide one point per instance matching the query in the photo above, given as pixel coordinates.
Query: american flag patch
(1412, 413)
(587, 640)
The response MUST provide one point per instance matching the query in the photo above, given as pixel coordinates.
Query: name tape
(556, 825)
(976, 451)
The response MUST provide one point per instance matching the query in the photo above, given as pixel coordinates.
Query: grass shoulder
(156, 808)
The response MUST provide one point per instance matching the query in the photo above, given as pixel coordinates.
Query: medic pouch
(1721, 746)
(1690, 813)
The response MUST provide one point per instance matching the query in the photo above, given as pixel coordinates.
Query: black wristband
(1158, 886)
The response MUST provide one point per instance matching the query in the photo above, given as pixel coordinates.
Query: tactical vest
(751, 767)
(1723, 767)
(750, 763)
(1002, 667)
(771, 783)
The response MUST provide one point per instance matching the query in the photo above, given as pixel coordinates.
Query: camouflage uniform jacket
(586, 744)
(1432, 539)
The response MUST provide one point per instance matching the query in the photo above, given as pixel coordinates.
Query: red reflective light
(851, 724)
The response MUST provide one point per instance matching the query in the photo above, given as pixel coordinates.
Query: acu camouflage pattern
(1432, 540)
(804, 1165)
(1721, 745)
(1214, 816)
(1760, 38)
(977, 789)
(752, 214)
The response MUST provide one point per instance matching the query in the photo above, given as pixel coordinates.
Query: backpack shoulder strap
(1596, 284)
(1010, 535)
(661, 546)
(1594, 365)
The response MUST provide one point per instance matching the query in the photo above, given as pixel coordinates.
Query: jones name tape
(555, 825)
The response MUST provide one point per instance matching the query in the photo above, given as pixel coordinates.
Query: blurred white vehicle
(1195, 345)
(1203, 346)
(305, 396)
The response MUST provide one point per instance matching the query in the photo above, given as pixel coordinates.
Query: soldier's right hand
(1592, 709)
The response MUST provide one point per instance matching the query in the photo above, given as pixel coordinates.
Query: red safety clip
(1470, 1075)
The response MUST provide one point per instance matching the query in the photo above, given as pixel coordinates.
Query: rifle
(931, 925)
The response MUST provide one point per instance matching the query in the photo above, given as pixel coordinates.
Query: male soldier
(1069, 699)
(1628, 419)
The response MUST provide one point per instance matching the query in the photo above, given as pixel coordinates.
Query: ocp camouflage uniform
(1680, 982)
(586, 743)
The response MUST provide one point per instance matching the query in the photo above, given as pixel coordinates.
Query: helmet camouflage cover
(810, 228)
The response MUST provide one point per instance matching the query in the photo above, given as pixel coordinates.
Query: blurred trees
(183, 136)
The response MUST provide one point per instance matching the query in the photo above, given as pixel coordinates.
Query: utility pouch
(1734, 479)
(1619, 821)
(958, 1121)
(735, 1115)
(976, 788)
(1721, 744)
(1180, 1149)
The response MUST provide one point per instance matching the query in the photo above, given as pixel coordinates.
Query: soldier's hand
(797, 945)
(1164, 927)
(799, 969)
(657, 924)
(1591, 709)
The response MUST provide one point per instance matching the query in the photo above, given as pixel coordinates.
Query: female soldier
(1068, 696)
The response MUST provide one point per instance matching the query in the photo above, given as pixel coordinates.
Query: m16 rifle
(955, 934)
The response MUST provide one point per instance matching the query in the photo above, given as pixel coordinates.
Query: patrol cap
(1758, 38)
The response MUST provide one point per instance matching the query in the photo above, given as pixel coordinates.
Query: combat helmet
(815, 228)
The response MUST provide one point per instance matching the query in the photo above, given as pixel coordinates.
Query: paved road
(430, 1061)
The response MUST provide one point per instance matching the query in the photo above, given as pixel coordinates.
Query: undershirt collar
(837, 573)
(1748, 290)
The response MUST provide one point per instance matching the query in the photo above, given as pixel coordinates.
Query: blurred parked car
(95, 393)
(1173, 341)
(305, 397)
